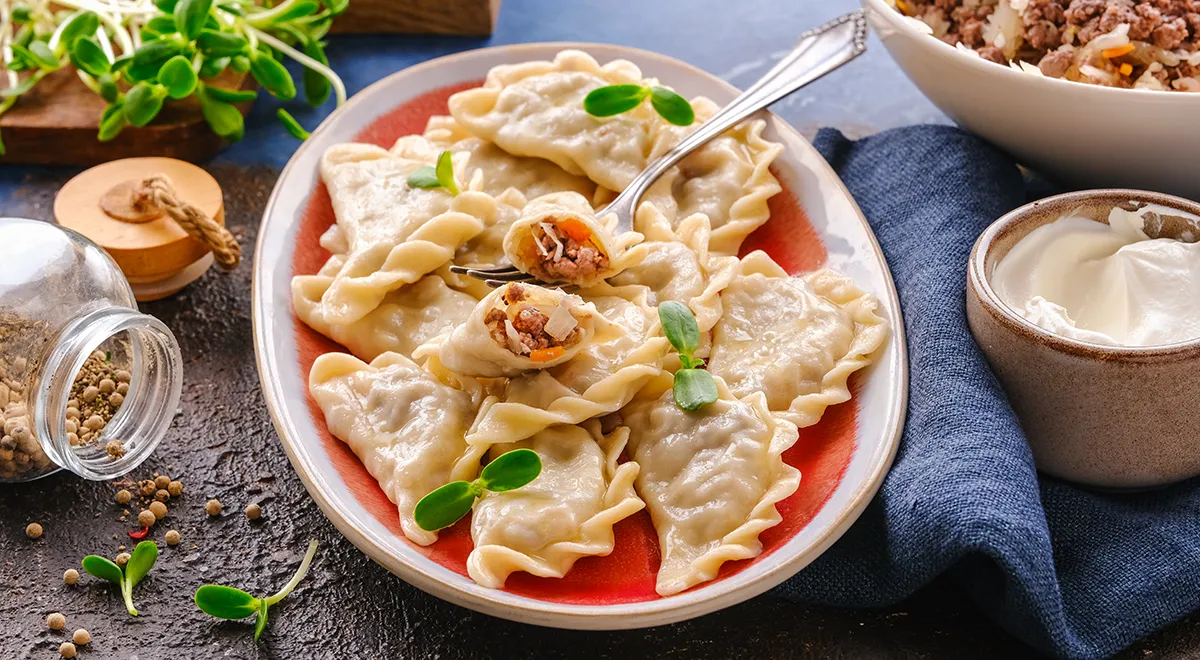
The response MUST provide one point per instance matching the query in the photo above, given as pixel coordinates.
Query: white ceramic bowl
(1082, 134)
(843, 459)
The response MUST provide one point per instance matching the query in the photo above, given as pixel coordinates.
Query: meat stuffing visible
(527, 320)
(579, 261)
(1053, 35)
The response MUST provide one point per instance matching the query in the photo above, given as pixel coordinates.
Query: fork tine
(515, 276)
(460, 270)
(495, 284)
(481, 273)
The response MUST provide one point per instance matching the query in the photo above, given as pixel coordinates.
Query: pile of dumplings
(444, 373)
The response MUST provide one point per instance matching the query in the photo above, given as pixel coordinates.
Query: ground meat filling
(528, 321)
(575, 262)
(1165, 35)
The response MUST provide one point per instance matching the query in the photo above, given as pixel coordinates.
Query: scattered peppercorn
(162, 495)
(147, 487)
(124, 496)
(213, 507)
(67, 650)
(115, 449)
(158, 509)
(56, 621)
(253, 511)
(146, 518)
(81, 637)
(71, 576)
(122, 559)
(175, 488)
(34, 530)
(162, 481)
(172, 537)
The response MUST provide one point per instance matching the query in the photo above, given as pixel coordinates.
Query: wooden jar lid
(148, 251)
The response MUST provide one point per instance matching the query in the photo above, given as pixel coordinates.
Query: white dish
(857, 440)
(1083, 134)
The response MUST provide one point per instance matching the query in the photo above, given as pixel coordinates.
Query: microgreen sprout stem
(693, 387)
(230, 603)
(447, 505)
(439, 176)
(617, 99)
(140, 563)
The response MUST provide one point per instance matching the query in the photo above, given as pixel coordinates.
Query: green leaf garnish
(693, 386)
(157, 27)
(292, 126)
(445, 172)
(511, 470)
(614, 99)
(190, 16)
(143, 102)
(424, 177)
(316, 87)
(272, 76)
(177, 77)
(140, 563)
(447, 505)
(43, 55)
(149, 58)
(112, 122)
(229, 603)
(224, 119)
(21, 14)
(214, 43)
(87, 55)
(671, 106)
(230, 95)
(80, 24)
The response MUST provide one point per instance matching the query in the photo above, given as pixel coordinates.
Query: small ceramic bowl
(1112, 417)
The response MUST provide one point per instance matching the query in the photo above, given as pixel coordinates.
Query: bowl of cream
(1087, 306)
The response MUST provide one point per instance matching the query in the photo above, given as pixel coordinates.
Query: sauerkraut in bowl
(1143, 44)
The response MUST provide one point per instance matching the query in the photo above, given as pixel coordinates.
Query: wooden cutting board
(469, 17)
(56, 124)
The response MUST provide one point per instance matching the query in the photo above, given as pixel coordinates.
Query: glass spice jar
(87, 382)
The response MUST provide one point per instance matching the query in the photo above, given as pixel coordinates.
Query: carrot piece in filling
(547, 354)
(575, 229)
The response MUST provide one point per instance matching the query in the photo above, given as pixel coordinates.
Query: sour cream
(1105, 284)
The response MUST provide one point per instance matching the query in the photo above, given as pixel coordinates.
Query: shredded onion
(514, 339)
(561, 323)
(1115, 39)
(549, 229)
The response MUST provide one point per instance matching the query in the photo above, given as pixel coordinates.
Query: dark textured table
(223, 444)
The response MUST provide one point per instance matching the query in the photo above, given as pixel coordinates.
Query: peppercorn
(90, 393)
(67, 650)
(146, 518)
(162, 481)
(122, 559)
(213, 507)
(107, 386)
(71, 576)
(147, 487)
(124, 496)
(116, 399)
(56, 621)
(175, 488)
(162, 495)
(253, 511)
(123, 376)
(172, 537)
(81, 637)
(158, 509)
(33, 531)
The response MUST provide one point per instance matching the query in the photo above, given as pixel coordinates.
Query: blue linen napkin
(1076, 573)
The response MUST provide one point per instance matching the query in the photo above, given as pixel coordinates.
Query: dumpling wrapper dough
(710, 478)
(403, 423)
(796, 339)
(566, 513)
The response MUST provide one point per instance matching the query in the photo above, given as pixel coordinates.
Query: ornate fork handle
(817, 53)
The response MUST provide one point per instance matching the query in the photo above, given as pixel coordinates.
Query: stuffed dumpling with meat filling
(517, 328)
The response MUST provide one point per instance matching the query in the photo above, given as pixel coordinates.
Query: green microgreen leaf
(190, 17)
(158, 27)
(445, 172)
(231, 95)
(21, 14)
(444, 506)
(511, 470)
(143, 103)
(82, 24)
(229, 603)
(177, 77)
(240, 64)
(103, 569)
(272, 76)
(679, 325)
(109, 90)
(224, 119)
(336, 6)
(295, 9)
(87, 55)
(260, 621)
(293, 127)
(225, 602)
(424, 177)
(694, 388)
(166, 6)
(214, 43)
(43, 56)
(24, 36)
(112, 122)
(212, 67)
(140, 562)
(22, 87)
(149, 58)
(614, 99)
(671, 106)
(121, 62)
(316, 86)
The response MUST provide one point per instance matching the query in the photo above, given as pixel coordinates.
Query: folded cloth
(1076, 573)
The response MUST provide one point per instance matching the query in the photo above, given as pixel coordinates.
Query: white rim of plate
(440, 581)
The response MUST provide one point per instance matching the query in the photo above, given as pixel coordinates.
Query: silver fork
(817, 53)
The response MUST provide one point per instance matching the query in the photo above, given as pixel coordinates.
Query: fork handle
(817, 53)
